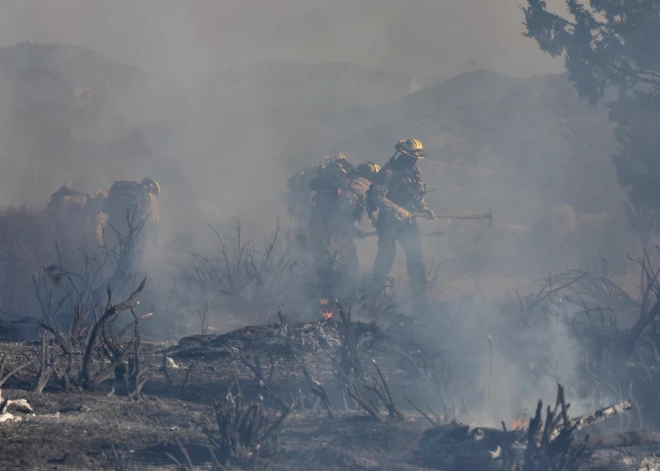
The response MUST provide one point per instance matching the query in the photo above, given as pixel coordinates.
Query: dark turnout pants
(390, 230)
(335, 253)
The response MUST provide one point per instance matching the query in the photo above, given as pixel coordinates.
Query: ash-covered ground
(332, 394)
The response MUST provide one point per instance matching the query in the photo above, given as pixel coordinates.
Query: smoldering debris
(318, 387)
(338, 380)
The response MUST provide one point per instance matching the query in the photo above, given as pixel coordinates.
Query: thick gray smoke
(183, 123)
(199, 95)
(437, 39)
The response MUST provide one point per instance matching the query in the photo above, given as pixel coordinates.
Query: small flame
(325, 312)
(520, 423)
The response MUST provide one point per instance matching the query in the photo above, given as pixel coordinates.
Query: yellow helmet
(151, 185)
(411, 147)
(101, 194)
(367, 170)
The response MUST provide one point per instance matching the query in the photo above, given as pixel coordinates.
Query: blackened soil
(105, 429)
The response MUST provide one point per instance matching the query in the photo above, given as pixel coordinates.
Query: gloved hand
(428, 213)
(402, 214)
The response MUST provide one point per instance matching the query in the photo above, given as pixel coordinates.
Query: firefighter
(301, 199)
(396, 193)
(338, 204)
(65, 203)
(73, 213)
(128, 207)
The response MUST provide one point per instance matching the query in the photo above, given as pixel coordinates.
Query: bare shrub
(616, 334)
(244, 430)
(5, 374)
(82, 329)
(247, 278)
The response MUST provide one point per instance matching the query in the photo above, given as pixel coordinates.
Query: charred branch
(368, 406)
(349, 359)
(319, 391)
(257, 368)
(243, 430)
(204, 317)
(110, 312)
(5, 374)
(382, 390)
(433, 418)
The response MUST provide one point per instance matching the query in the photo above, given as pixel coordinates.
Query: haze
(436, 38)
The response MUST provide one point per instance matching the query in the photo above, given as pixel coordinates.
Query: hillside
(331, 85)
(520, 145)
(67, 112)
(72, 116)
(75, 117)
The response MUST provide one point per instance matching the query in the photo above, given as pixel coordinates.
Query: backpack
(127, 196)
(353, 200)
(66, 199)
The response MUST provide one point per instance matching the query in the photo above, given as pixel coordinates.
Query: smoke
(187, 93)
(183, 122)
(438, 39)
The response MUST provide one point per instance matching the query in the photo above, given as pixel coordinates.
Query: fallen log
(593, 418)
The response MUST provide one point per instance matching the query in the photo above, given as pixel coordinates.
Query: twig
(186, 377)
(430, 420)
(364, 404)
(4, 377)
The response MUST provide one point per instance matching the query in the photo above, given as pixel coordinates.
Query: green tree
(611, 50)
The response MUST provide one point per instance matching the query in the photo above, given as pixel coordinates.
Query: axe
(488, 215)
(427, 234)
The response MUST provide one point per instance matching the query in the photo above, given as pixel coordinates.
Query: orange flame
(325, 312)
(520, 423)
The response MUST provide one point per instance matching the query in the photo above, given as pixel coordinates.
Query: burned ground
(357, 383)
(83, 430)
(287, 368)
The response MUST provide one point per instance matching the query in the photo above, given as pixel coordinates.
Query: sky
(434, 38)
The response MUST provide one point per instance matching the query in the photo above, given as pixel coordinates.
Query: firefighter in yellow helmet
(396, 193)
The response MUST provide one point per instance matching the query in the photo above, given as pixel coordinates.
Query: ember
(326, 312)
(520, 422)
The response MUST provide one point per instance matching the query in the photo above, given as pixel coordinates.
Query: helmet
(101, 194)
(368, 169)
(151, 185)
(411, 147)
